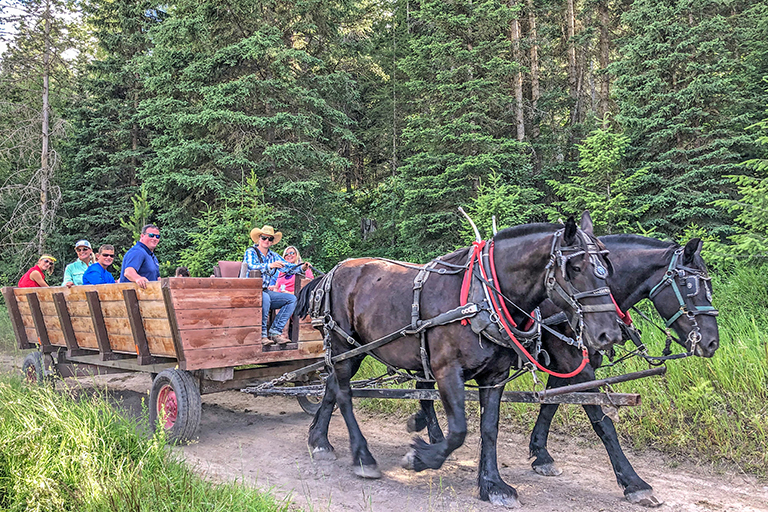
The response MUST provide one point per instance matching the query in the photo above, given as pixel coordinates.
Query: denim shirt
(257, 261)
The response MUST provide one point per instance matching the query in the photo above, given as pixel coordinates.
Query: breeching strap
(504, 318)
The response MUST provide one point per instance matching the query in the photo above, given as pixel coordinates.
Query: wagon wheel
(310, 404)
(175, 402)
(33, 369)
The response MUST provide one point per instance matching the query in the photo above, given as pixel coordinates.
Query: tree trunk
(605, 45)
(45, 168)
(518, 77)
(535, 91)
(573, 81)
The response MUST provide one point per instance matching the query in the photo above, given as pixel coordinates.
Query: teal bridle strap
(669, 279)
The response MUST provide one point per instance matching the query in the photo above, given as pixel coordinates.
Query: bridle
(559, 257)
(689, 279)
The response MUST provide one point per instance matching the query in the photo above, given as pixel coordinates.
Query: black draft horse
(675, 279)
(371, 298)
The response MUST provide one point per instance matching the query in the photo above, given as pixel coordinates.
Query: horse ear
(570, 231)
(586, 222)
(691, 248)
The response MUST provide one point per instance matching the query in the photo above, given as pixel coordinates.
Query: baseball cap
(85, 243)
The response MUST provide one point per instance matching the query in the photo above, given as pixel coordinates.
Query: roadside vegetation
(60, 453)
(706, 409)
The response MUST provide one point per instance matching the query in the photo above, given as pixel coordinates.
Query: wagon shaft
(607, 399)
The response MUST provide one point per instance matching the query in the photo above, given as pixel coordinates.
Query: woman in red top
(285, 283)
(34, 276)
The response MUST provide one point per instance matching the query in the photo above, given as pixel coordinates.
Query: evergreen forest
(358, 127)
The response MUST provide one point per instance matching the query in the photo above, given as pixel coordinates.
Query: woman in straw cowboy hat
(269, 263)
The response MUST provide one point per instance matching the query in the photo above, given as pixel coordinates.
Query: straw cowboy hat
(267, 231)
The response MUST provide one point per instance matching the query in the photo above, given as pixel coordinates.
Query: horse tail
(302, 306)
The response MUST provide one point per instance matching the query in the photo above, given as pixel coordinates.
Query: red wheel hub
(167, 407)
(31, 375)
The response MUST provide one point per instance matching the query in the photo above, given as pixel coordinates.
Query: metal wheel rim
(167, 406)
(31, 374)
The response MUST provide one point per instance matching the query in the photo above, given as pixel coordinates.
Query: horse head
(580, 288)
(683, 297)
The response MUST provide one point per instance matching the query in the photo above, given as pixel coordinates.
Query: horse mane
(527, 229)
(641, 240)
(460, 255)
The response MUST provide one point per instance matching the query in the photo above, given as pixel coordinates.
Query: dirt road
(262, 442)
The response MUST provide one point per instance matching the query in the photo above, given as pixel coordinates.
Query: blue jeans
(285, 302)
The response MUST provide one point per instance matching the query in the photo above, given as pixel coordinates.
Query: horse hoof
(548, 469)
(412, 424)
(367, 471)
(407, 460)
(644, 498)
(504, 500)
(323, 454)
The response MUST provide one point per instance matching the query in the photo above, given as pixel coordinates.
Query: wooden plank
(19, 331)
(307, 332)
(153, 309)
(137, 328)
(213, 283)
(83, 325)
(158, 327)
(99, 327)
(114, 292)
(208, 318)
(125, 364)
(221, 338)
(37, 317)
(161, 346)
(65, 322)
(249, 354)
(87, 340)
(220, 303)
(171, 313)
(24, 306)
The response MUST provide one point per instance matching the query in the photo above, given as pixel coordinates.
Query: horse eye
(576, 268)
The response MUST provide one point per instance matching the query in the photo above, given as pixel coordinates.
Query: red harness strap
(477, 249)
(622, 315)
(507, 316)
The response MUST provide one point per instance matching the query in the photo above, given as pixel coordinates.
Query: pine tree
(686, 90)
(460, 79)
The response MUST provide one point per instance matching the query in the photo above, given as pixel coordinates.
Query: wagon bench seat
(200, 323)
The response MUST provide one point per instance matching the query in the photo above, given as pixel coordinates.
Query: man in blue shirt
(270, 264)
(97, 273)
(140, 264)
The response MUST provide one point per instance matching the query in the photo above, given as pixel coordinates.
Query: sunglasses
(48, 262)
(290, 253)
(153, 235)
(270, 238)
(83, 249)
(107, 255)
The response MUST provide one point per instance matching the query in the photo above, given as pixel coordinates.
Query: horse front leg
(319, 446)
(423, 456)
(636, 490)
(426, 417)
(492, 487)
(543, 463)
(363, 463)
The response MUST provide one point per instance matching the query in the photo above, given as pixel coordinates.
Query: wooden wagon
(194, 335)
(202, 335)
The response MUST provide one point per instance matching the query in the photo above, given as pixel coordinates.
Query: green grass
(706, 409)
(59, 453)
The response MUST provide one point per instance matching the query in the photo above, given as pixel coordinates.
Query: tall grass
(712, 409)
(59, 453)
